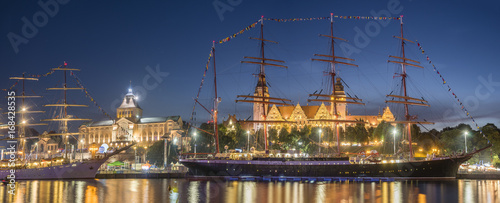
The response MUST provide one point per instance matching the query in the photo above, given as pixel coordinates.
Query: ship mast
(216, 104)
(333, 98)
(261, 97)
(25, 110)
(403, 61)
(65, 118)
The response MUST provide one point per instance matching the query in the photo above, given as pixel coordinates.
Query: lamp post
(165, 153)
(166, 150)
(81, 151)
(465, 136)
(319, 148)
(135, 155)
(194, 136)
(248, 141)
(36, 156)
(145, 153)
(394, 135)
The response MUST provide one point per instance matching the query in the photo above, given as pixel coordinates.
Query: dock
(139, 175)
(490, 176)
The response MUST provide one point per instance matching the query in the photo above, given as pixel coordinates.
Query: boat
(339, 164)
(24, 167)
(58, 169)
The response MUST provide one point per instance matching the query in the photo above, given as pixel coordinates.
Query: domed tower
(129, 108)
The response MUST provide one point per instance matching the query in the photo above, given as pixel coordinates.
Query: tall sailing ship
(65, 167)
(335, 165)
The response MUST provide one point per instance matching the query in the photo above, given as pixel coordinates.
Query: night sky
(115, 42)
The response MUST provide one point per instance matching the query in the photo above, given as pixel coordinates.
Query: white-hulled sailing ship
(28, 168)
(338, 164)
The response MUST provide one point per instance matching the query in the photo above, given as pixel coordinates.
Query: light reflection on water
(157, 190)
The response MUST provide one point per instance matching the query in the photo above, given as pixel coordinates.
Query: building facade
(309, 115)
(129, 126)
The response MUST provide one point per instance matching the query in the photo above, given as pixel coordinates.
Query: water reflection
(181, 190)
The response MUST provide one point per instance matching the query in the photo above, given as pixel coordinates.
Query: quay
(139, 174)
(478, 175)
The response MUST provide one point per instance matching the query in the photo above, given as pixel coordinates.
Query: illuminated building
(129, 126)
(309, 115)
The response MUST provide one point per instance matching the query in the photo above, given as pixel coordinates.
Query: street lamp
(319, 149)
(394, 135)
(145, 153)
(81, 151)
(166, 151)
(248, 140)
(194, 136)
(135, 155)
(465, 136)
(36, 156)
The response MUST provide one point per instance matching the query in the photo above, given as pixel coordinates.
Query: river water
(182, 190)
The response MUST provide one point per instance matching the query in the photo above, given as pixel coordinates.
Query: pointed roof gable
(322, 112)
(298, 114)
(387, 115)
(274, 114)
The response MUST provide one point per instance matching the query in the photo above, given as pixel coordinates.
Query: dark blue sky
(113, 42)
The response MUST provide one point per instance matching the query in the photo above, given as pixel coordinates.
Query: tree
(203, 140)
(385, 132)
(453, 139)
(307, 141)
(273, 139)
(381, 131)
(492, 133)
(233, 136)
(155, 153)
(360, 133)
(429, 140)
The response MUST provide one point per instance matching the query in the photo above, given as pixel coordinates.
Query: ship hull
(438, 168)
(78, 170)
